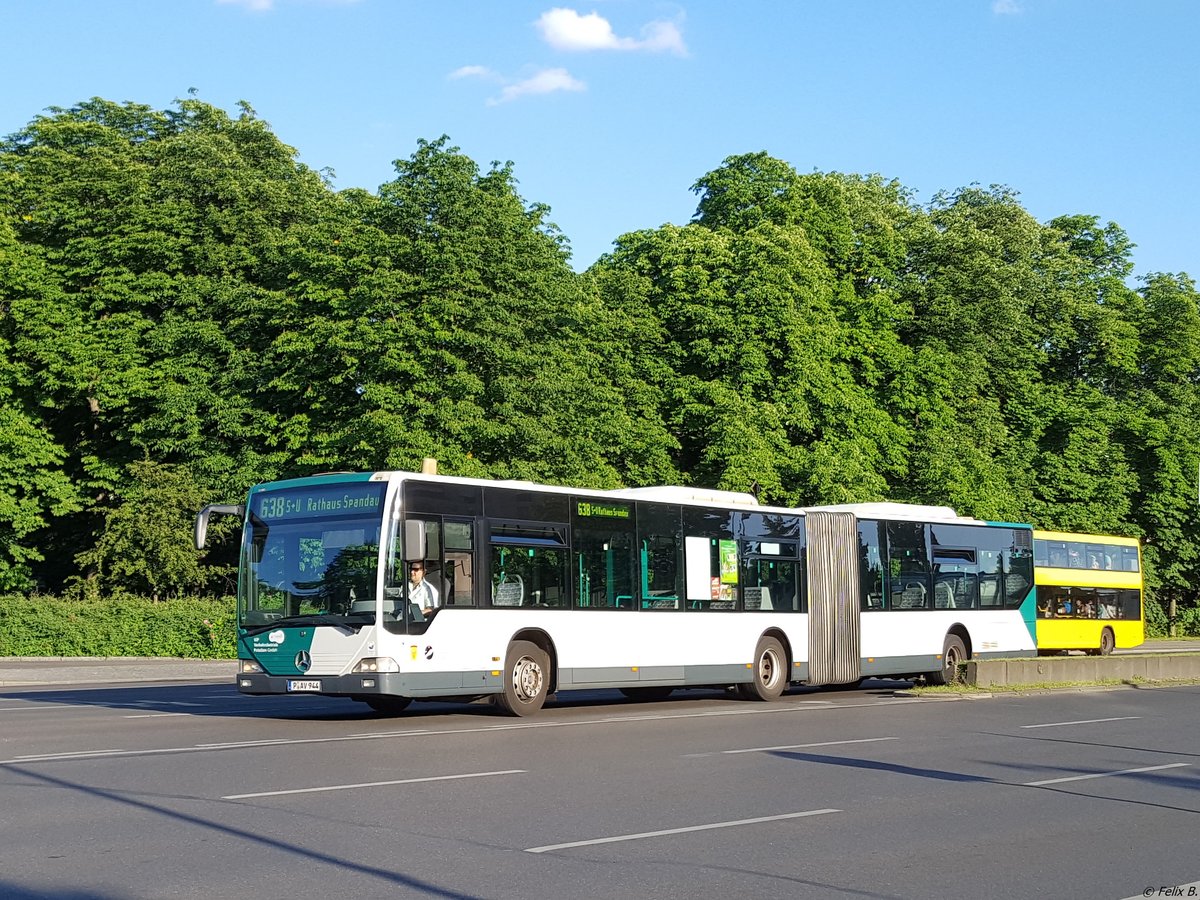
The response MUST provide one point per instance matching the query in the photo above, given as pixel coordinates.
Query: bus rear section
(1089, 592)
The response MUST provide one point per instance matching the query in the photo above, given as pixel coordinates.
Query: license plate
(304, 685)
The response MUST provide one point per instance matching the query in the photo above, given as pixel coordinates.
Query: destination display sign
(332, 500)
(603, 510)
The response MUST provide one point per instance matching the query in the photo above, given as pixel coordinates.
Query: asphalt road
(189, 790)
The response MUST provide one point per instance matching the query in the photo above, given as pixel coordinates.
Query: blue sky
(610, 110)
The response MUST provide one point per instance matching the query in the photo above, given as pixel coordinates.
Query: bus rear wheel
(526, 679)
(770, 672)
(954, 651)
(1108, 643)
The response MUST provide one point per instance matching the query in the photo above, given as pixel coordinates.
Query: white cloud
(1006, 7)
(662, 35)
(547, 81)
(565, 29)
(474, 72)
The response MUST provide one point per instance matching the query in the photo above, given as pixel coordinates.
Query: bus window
(990, 594)
(955, 578)
(1129, 604)
(870, 565)
(908, 564)
(770, 585)
(1075, 556)
(660, 546)
(458, 576)
(712, 572)
(710, 559)
(1045, 602)
(602, 564)
(528, 565)
(1056, 554)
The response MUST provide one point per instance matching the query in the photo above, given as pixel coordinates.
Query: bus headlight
(375, 664)
(248, 666)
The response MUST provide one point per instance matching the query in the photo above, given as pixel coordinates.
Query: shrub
(120, 625)
(1156, 620)
(1187, 623)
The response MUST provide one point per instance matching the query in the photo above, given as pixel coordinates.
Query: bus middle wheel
(770, 672)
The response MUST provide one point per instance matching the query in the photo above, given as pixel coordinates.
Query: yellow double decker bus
(1089, 592)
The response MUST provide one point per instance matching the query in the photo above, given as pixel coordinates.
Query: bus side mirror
(414, 539)
(201, 534)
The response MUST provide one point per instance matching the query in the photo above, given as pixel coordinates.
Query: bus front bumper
(374, 684)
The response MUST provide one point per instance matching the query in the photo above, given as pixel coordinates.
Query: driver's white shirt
(423, 594)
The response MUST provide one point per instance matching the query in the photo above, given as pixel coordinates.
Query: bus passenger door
(834, 633)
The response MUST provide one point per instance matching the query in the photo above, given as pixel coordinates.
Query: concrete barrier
(985, 673)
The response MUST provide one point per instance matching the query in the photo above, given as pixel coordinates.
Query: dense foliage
(191, 628)
(186, 310)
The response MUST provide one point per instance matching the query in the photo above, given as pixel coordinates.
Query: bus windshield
(311, 552)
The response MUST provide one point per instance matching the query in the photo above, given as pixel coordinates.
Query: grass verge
(962, 688)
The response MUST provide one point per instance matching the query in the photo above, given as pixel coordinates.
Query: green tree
(1163, 440)
(33, 488)
(146, 546)
(978, 276)
(160, 229)
(1089, 348)
(775, 321)
(453, 327)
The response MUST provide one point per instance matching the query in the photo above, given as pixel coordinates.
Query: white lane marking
(818, 706)
(666, 831)
(1105, 774)
(74, 754)
(154, 715)
(366, 784)
(803, 746)
(169, 703)
(1082, 722)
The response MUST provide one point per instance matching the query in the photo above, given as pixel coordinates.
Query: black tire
(1108, 642)
(648, 693)
(770, 672)
(954, 651)
(389, 705)
(526, 679)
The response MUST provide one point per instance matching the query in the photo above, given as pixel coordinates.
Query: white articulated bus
(530, 589)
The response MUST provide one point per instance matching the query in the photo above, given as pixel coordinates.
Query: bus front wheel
(526, 679)
(770, 672)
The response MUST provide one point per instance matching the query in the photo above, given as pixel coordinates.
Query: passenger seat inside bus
(510, 591)
(943, 595)
(757, 598)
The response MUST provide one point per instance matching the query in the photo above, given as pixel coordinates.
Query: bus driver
(421, 591)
